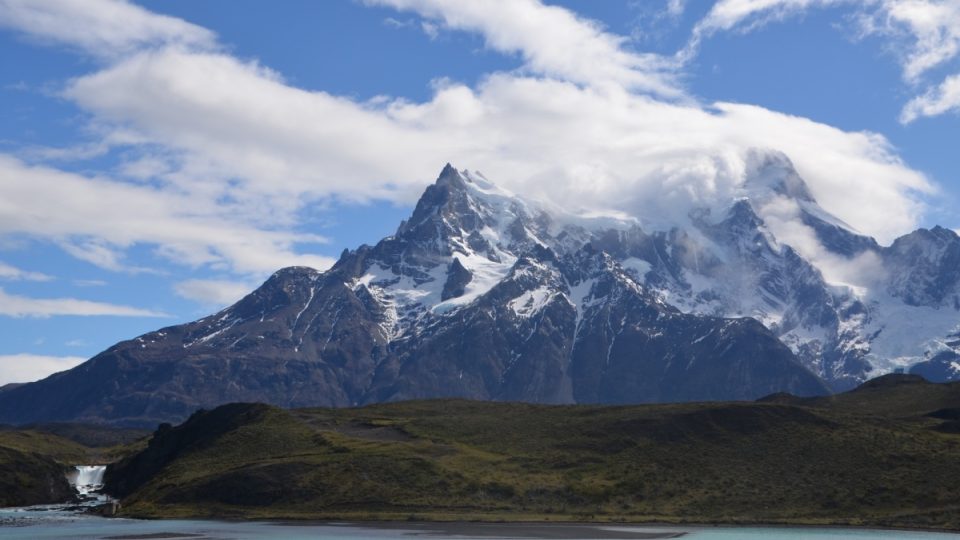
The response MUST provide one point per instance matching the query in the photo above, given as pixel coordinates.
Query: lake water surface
(52, 523)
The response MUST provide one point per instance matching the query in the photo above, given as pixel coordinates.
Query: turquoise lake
(53, 524)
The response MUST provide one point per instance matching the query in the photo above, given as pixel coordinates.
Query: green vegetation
(35, 459)
(74, 444)
(27, 478)
(90, 435)
(59, 449)
(842, 460)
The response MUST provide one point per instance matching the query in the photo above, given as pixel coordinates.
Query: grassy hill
(873, 456)
(34, 459)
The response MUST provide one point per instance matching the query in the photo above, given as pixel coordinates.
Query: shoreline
(688, 526)
(522, 529)
(532, 529)
(468, 523)
(476, 523)
(482, 525)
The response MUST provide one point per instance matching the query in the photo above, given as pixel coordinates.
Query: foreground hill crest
(885, 454)
(483, 295)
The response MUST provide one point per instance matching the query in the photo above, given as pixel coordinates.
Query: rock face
(483, 295)
(943, 367)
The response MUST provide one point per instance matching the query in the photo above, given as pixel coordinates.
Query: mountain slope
(482, 294)
(847, 307)
(479, 295)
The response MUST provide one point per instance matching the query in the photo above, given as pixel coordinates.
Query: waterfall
(87, 478)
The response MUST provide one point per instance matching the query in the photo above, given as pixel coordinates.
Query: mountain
(481, 294)
(849, 311)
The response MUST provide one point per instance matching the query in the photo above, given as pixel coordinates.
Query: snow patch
(905, 334)
(531, 302)
(579, 295)
(640, 267)
(486, 274)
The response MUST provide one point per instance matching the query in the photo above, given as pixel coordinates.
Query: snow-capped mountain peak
(468, 237)
(485, 295)
(769, 173)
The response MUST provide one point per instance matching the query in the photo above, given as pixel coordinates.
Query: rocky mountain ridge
(483, 295)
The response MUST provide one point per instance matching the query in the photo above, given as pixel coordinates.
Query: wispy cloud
(22, 368)
(208, 225)
(942, 99)
(744, 16)
(13, 305)
(98, 219)
(675, 8)
(103, 28)
(606, 147)
(552, 41)
(927, 32)
(234, 152)
(15, 274)
(430, 29)
(89, 282)
(213, 293)
(927, 36)
(923, 35)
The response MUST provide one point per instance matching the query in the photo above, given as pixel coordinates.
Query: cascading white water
(87, 478)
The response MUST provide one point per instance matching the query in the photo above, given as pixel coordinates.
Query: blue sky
(159, 159)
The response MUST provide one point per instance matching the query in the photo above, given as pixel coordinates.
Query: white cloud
(653, 21)
(430, 29)
(746, 15)
(16, 274)
(213, 292)
(82, 151)
(268, 144)
(97, 219)
(296, 145)
(22, 368)
(937, 101)
(13, 305)
(675, 8)
(860, 273)
(98, 252)
(923, 34)
(89, 282)
(232, 152)
(927, 36)
(931, 29)
(103, 28)
(552, 41)
(926, 33)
